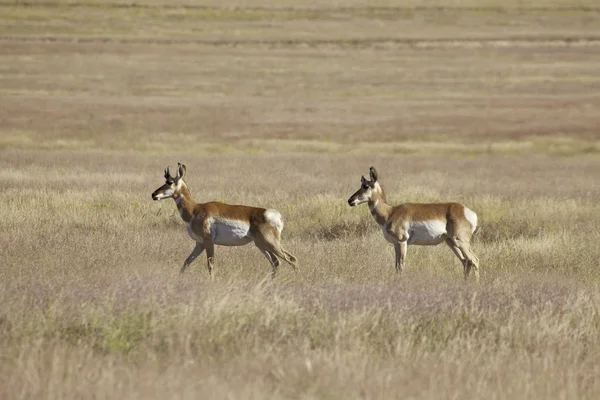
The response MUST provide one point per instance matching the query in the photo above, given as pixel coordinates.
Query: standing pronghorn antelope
(420, 224)
(223, 224)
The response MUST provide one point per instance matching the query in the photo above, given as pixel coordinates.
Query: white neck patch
(374, 206)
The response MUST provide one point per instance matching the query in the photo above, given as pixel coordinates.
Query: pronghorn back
(435, 211)
(230, 211)
(252, 215)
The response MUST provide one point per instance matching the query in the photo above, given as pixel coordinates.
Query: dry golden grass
(92, 304)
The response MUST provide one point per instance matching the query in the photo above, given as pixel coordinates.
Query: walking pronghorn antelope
(420, 224)
(224, 224)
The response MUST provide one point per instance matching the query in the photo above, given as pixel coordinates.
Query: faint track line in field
(75, 4)
(341, 43)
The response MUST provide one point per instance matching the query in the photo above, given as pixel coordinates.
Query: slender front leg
(195, 253)
(210, 254)
(400, 248)
(397, 249)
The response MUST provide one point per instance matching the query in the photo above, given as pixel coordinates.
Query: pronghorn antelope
(224, 224)
(420, 224)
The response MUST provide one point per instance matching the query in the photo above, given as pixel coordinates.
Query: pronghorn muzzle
(358, 198)
(161, 192)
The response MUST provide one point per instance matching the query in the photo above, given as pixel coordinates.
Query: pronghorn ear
(167, 173)
(363, 179)
(373, 174)
(181, 170)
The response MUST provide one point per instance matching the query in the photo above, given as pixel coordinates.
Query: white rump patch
(427, 233)
(274, 218)
(472, 218)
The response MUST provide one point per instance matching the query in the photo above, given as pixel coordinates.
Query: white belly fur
(226, 232)
(427, 233)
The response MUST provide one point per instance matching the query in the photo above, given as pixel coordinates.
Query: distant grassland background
(285, 105)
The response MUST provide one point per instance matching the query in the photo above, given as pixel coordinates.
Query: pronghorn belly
(427, 233)
(230, 232)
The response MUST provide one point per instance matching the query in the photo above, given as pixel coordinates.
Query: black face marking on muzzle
(161, 189)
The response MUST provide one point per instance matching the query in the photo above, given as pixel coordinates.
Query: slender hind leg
(276, 243)
(471, 258)
(461, 257)
(294, 259)
(276, 249)
(272, 259)
(268, 239)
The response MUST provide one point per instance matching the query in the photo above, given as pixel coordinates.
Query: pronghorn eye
(366, 187)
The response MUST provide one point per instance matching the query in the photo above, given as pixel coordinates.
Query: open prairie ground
(285, 105)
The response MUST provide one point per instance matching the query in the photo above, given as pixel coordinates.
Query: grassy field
(493, 104)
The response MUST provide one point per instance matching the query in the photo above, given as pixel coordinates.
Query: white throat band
(374, 206)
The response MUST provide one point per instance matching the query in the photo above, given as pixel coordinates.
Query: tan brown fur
(199, 217)
(399, 223)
